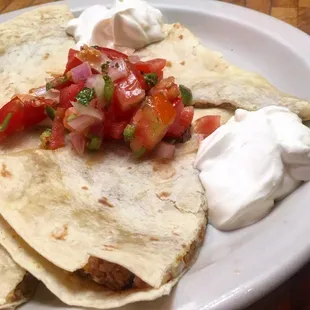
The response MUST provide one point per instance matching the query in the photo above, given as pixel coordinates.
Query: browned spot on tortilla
(181, 36)
(182, 63)
(154, 239)
(202, 233)
(164, 194)
(183, 246)
(164, 169)
(5, 172)
(177, 25)
(169, 64)
(129, 168)
(85, 188)
(104, 201)
(46, 55)
(174, 233)
(110, 246)
(60, 233)
(206, 105)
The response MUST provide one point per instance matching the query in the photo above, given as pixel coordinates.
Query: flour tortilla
(12, 277)
(32, 46)
(156, 214)
(214, 81)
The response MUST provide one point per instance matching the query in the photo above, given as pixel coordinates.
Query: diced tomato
(34, 111)
(57, 138)
(68, 94)
(206, 125)
(164, 109)
(167, 87)
(96, 130)
(138, 75)
(24, 114)
(114, 130)
(151, 66)
(16, 122)
(160, 75)
(73, 61)
(187, 116)
(184, 118)
(112, 54)
(152, 122)
(129, 92)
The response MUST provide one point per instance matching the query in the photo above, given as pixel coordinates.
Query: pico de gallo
(104, 94)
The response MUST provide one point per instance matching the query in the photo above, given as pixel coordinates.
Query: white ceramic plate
(235, 269)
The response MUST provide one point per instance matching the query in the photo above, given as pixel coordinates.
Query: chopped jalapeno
(85, 96)
(108, 88)
(6, 122)
(129, 132)
(140, 152)
(56, 82)
(71, 117)
(151, 79)
(94, 144)
(50, 112)
(186, 94)
(45, 137)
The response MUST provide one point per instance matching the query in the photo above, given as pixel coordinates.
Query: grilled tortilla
(213, 81)
(33, 46)
(132, 227)
(16, 285)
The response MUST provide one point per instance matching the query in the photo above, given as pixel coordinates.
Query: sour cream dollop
(255, 159)
(128, 24)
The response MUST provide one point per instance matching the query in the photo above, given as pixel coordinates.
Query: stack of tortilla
(104, 230)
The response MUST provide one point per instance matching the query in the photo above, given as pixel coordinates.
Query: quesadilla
(16, 284)
(213, 81)
(97, 224)
(132, 228)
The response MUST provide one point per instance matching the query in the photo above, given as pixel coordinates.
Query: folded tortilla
(213, 81)
(32, 46)
(16, 285)
(148, 219)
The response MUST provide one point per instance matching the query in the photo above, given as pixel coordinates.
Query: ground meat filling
(112, 276)
(24, 289)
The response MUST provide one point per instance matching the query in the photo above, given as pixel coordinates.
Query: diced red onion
(191, 146)
(40, 91)
(81, 72)
(134, 58)
(164, 150)
(25, 97)
(104, 58)
(52, 94)
(97, 82)
(78, 142)
(118, 69)
(81, 123)
(88, 111)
